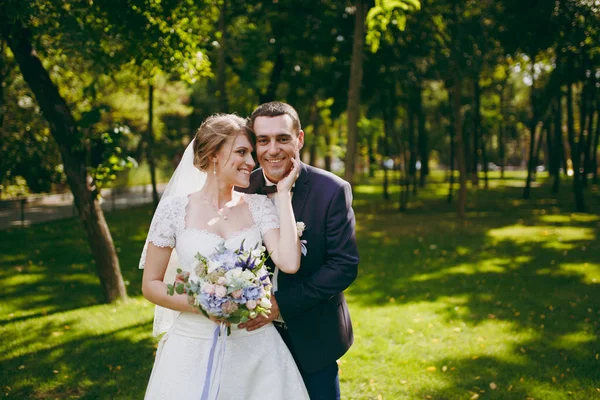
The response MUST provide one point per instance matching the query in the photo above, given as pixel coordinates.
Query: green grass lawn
(503, 306)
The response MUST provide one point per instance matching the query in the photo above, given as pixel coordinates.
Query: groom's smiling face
(276, 145)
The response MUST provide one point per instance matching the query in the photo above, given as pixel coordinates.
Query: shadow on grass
(518, 262)
(48, 268)
(84, 367)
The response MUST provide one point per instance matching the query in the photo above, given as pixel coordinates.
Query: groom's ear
(300, 139)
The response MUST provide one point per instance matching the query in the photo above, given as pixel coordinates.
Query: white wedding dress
(257, 364)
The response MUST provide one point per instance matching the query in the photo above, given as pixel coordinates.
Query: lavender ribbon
(213, 369)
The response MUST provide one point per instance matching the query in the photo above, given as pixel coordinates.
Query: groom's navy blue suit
(311, 301)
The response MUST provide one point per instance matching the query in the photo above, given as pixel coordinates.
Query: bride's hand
(219, 320)
(285, 184)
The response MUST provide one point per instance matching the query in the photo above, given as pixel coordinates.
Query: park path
(38, 209)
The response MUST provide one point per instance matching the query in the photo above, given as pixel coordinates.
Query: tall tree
(66, 134)
(76, 28)
(356, 74)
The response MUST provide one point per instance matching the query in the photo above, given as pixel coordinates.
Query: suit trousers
(321, 385)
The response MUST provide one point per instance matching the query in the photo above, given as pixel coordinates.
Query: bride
(199, 211)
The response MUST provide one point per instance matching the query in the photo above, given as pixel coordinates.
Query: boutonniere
(300, 228)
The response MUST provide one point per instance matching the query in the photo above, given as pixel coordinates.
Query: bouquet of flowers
(231, 285)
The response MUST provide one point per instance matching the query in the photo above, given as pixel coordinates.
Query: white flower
(256, 253)
(300, 228)
(235, 273)
(247, 275)
(265, 303)
(251, 304)
(213, 265)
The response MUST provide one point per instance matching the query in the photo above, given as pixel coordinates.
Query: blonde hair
(214, 131)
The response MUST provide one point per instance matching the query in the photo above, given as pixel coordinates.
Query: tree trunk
(405, 178)
(595, 144)
(583, 117)
(550, 141)
(221, 68)
(575, 153)
(451, 128)
(314, 121)
(327, 156)
(386, 191)
(530, 161)
(532, 127)
(4, 71)
(371, 157)
(411, 110)
(467, 141)
(543, 133)
(150, 145)
(3, 75)
(402, 166)
(66, 133)
(423, 140)
(502, 136)
(388, 128)
(558, 151)
(476, 130)
(459, 145)
(589, 142)
(356, 74)
(484, 161)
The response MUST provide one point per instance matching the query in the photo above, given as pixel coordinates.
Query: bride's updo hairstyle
(214, 132)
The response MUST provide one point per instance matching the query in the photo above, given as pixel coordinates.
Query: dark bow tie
(271, 189)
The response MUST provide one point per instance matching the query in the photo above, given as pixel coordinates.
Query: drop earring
(215, 167)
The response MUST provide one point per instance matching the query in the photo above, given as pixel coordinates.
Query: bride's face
(235, 162)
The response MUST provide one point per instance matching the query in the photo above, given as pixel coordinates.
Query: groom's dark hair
(275, 109)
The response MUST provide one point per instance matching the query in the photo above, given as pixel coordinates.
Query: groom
(309, 309)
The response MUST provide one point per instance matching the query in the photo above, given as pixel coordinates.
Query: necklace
(220, 211)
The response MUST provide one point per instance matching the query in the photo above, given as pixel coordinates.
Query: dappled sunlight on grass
(576, 340)
(566, 219)
(476, 307)
(51, 351)
(588, 273)
(560, 237)
(491, 266)
(426, 345)
(69, 325)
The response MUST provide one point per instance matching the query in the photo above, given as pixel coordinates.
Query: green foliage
(384, 13)
(28, 151)
(108, 157)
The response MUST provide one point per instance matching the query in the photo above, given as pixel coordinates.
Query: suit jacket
(311, 301)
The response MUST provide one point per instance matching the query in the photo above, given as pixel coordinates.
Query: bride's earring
(215, 167)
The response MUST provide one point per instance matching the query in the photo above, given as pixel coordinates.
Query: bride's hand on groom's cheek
(286, 183)
(261, 321)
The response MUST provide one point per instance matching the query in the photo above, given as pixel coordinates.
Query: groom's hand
(261, 321)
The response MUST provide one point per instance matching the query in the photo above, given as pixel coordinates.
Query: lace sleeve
(264, 213)
(162, 228)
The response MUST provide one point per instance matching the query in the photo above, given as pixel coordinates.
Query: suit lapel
(300, 192)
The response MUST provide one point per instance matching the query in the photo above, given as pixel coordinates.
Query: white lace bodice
(168, 229)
